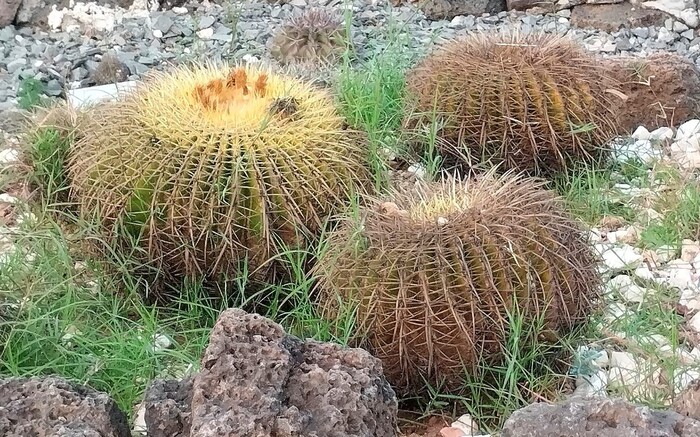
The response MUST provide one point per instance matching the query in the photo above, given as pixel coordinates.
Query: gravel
(143, 40)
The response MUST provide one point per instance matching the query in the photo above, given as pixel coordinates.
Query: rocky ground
(649, 285)
(66, 53)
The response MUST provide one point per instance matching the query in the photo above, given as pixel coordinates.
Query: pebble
(694, 323)
(688, 130)
(661, 134)
(624, 258)
(9, 156)
(7, 198)
(629, 291)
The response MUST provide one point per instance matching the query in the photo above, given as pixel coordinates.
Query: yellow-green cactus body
(229, 163)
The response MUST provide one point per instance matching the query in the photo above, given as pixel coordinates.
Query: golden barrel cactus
(530, 102)
(433, 274)
(206, 166)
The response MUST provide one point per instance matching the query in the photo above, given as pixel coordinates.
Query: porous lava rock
(612, 17)
(593, 417)
(256, 380)
(55, 407)
(662, 89)
(168, 407)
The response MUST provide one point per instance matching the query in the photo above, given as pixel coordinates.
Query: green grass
(30, 94)
(48, 153)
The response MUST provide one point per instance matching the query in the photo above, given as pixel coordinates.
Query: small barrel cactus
(434, 272)
(206, 166)
(532, 102)
(315, 35)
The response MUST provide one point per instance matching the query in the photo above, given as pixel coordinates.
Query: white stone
(615, 311)
(140, 420)
(659, 342)
(683, 379)
(250, 59)
(466, 424)
(157, 33)
(665, 36)
(665, 253)
(661, 134)
(690, 298)
(689, 250)
(160, 343)
(688, 129)
(442, 221)
(417, 170)
(690, 16)
(623, 258)
(643, 272)
(694, 323)
(592, 385)
(641, 133)
(96, 94)
(70, 332)
(630, 236)
(25, 218)
(594, 235)
(8, 198)
(178, 10)
(679, 27)
(206, 33)
(55, 18)
(632, 374)
(629, 291)
(680, 274)
(9, 156)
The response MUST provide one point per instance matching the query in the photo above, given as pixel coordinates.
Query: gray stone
(641, 32)
(16, 65)
(53, 88)
(206, 21)
(162, 23)
(7, 33)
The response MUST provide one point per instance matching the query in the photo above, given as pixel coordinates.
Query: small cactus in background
(315, 35)
(110, 70)
(537, 103)
(208, 166)
(47, 140)
(434, 272)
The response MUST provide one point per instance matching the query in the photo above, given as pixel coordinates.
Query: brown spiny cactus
(110, 70)
(535, 102)
(315, 35)
(433, 273)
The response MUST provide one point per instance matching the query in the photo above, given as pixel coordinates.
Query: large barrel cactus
(436, 274)
(205, 166)
(530, 102)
